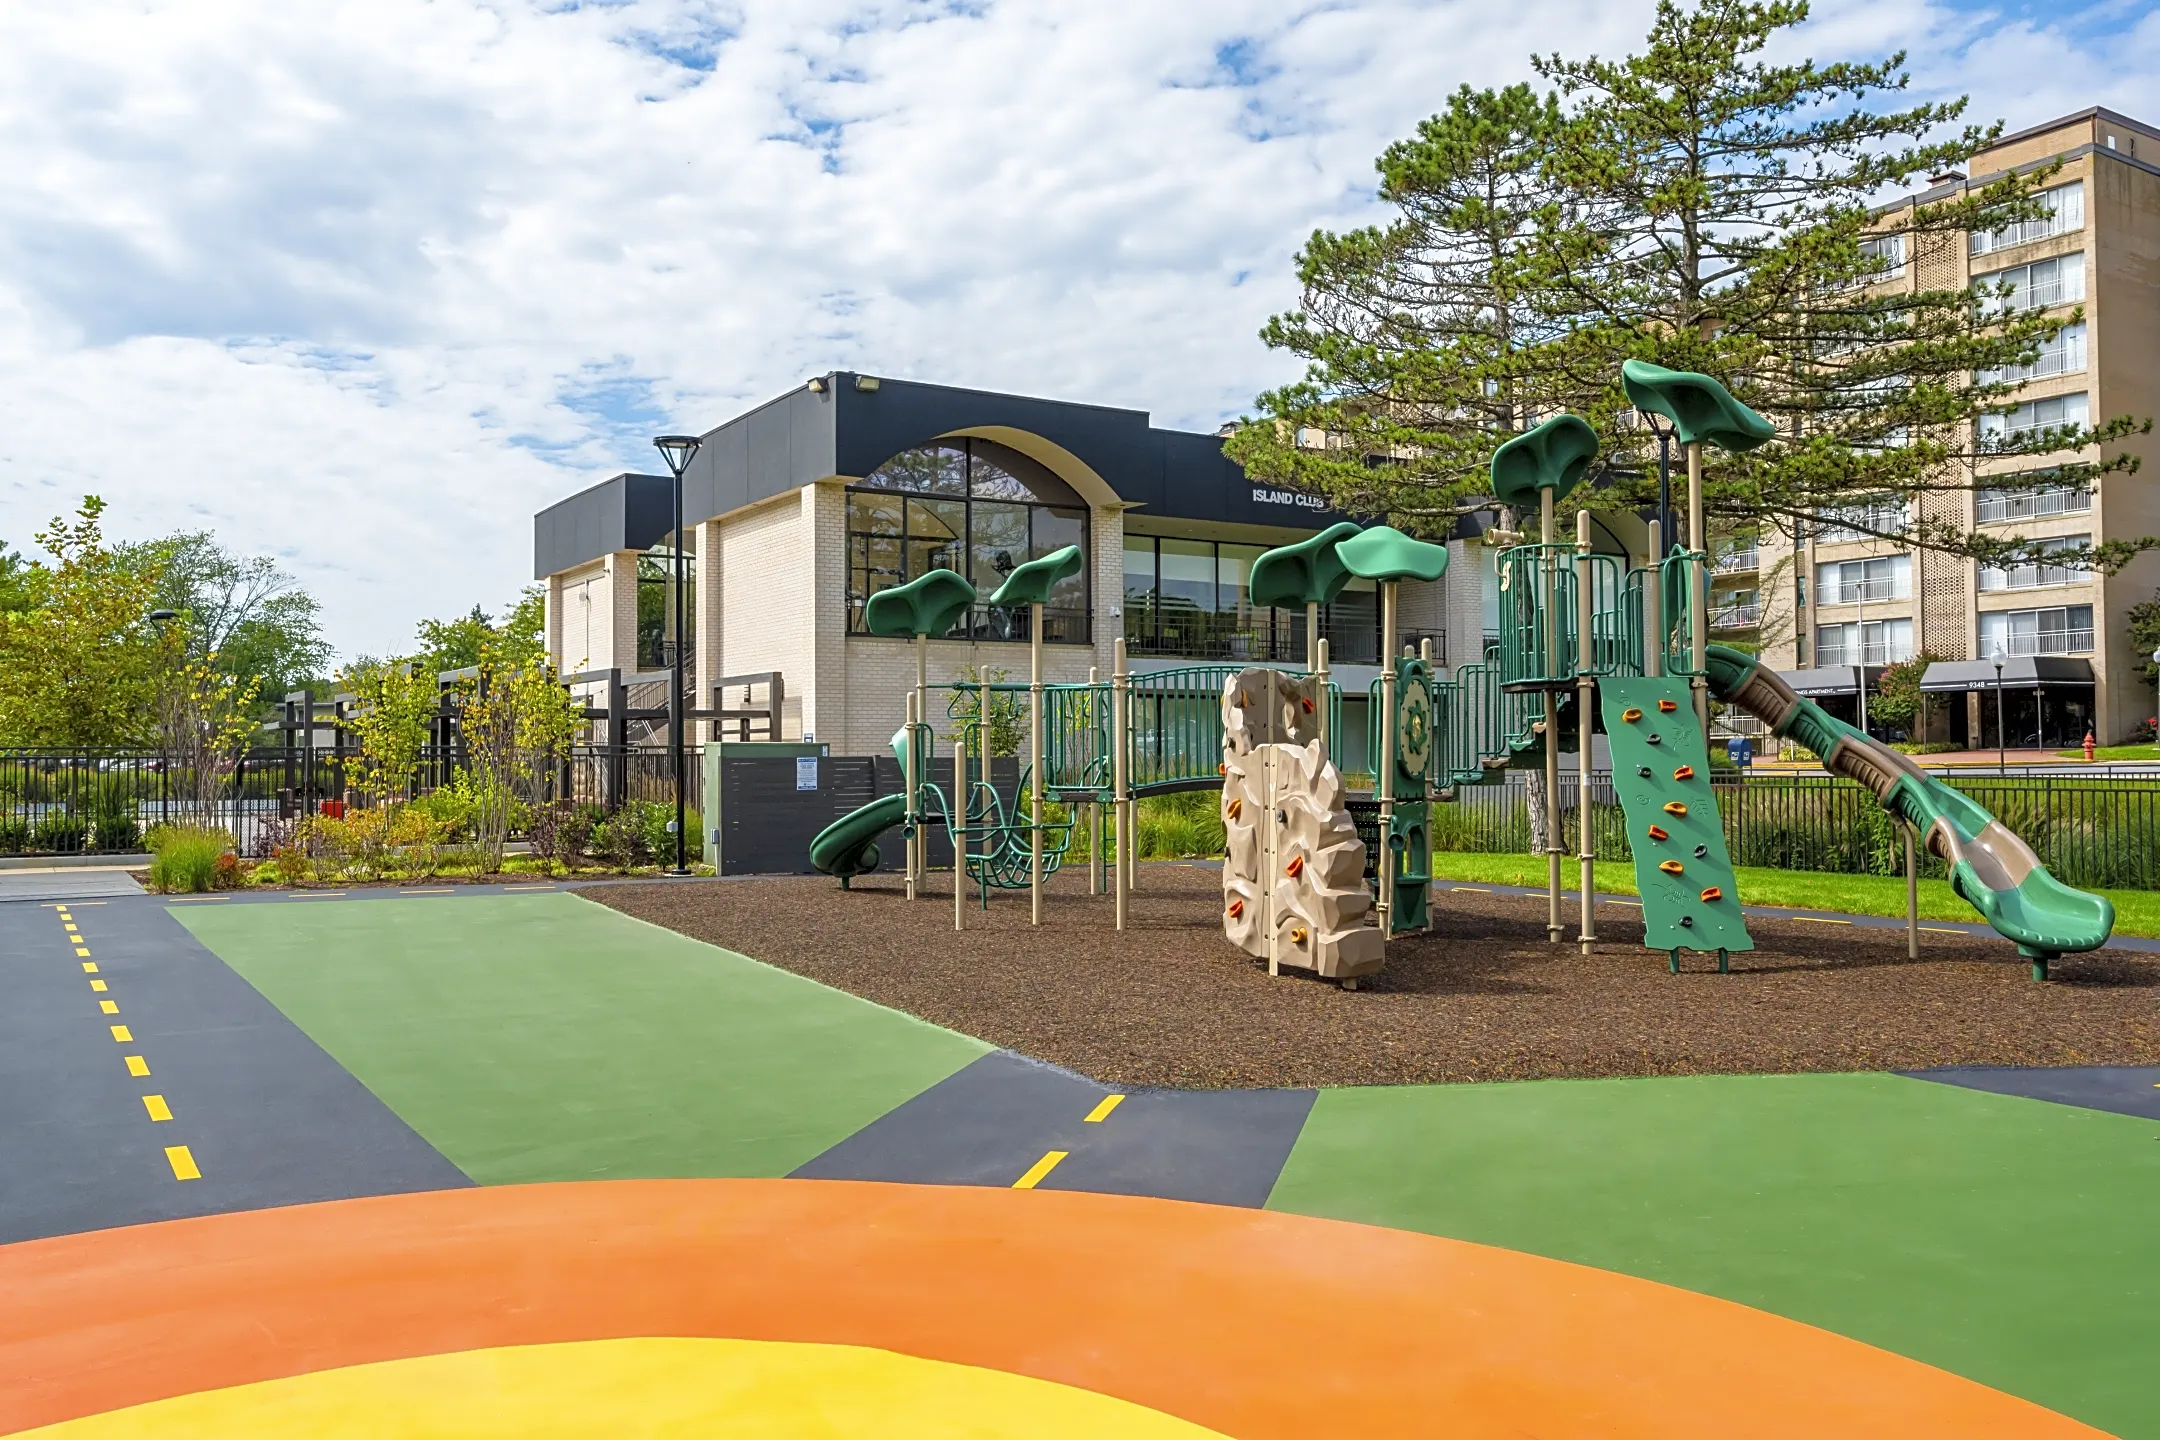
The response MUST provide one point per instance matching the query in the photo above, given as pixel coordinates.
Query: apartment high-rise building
(1841, 605)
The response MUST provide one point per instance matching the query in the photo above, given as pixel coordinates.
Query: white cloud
(364, 285)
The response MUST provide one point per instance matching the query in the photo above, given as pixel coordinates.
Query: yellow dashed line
(1476, 889)
(1945, 930)
(1819, 919)
(183, 1164)
(197, 899)
(98, 987)
(89, 967)
(1102, 1111)
(445, 890)
(316, 895)
(122, 1034)
(71, 928)
(157, 1107)
(1040, 1170)
(83, 951)
(110, 1007)
(138, 1067)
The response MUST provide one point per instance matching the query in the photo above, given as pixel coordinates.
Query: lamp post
(678, 451)
(2002, 730)
(159, 619)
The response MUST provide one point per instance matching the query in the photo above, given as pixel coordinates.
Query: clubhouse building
(797, 511)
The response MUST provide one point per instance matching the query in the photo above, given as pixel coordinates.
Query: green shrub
(14, 834)
(59, 831)
(451, 808)
(1174, 827)
(186, 859)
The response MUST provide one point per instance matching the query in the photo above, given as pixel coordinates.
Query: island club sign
(1262, 495)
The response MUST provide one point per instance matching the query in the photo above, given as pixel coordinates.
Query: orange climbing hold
(1306, 703)
(1631, 715)
(1296, 867)
(1237, 908)
(1670, 867)
(1222, 769)
(1658, 832)
(1235, 806)
(1241, 698)
(1675, 807)
(1685, 772)
(1713, 893)
(1297, 935)
(1666, 707)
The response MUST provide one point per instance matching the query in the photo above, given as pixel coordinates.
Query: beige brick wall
(764, 597)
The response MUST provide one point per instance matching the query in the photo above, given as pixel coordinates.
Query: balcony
(1738, 562)
(1736, 617)
(2045, 642)
(2031, 505)
(1864, 592)
(1876, 653)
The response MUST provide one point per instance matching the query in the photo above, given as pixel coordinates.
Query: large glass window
(2066, 213)
(2029, 495)
(2051, 412)
(656, 607)
(2055, 630)
(1189, 598)
(975, 508)
(1864, 582)
(1874, 642)
(2063, 355)
(2039, 575)
(2038, 286)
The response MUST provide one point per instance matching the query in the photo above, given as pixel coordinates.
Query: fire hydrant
(2088, 744)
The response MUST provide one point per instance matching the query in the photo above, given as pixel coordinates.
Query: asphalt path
(142, 1079)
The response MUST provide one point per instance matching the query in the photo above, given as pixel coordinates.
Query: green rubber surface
(543, 1037)
(2007, 1240)
(1661, 742)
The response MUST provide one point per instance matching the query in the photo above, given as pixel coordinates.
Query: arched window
(976, 507)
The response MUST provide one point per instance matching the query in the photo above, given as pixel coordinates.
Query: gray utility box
(765, 802)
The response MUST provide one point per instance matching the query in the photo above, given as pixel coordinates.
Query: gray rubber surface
(2124, 1089)
(37, 886)
(992, 1121)
(268, 1117)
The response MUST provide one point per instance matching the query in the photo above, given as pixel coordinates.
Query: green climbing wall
(1659, 760)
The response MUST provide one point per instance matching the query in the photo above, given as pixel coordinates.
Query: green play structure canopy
(1307, 573)
(1031, 583)
(926, 605)
(1551, 457)
(1699, 407)
(1385, 553)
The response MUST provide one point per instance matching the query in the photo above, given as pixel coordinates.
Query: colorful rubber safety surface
(714, 1198)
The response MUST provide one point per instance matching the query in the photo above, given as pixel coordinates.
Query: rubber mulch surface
(1169, 1002)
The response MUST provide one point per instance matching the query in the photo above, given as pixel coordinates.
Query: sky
(362, 286)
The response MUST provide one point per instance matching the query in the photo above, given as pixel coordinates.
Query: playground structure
(1584, 636)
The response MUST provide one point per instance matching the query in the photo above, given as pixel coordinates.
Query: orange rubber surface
(1255, 1324)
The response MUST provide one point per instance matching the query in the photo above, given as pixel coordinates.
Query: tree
(2144, 627)
(514, 716)
(21, 582)
(1695, 206)
(394, 701)
(460, 643)
(1416, 335)
(205, 719)
(1900, 700)
(264, 629)
(78, 669)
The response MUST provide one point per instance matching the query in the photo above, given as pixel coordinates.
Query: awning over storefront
(1831, 680)
(2019, 672)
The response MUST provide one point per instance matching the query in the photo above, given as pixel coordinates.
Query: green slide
(1661, 772)
(1995, 871)
(848, 846)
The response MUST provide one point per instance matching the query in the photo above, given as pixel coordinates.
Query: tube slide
(1990, 867)
(848, 846)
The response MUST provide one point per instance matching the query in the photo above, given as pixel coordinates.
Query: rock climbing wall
(1293, 870)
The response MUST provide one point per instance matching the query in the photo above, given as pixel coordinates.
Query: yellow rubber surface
(742, 1389)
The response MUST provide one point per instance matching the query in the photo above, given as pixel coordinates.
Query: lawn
(2137, 912)
(2148, 752)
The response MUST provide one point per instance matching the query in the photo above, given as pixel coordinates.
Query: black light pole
(678, 451)
(2002, 733)
(160, 619)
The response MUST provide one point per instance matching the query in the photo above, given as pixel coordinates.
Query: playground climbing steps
(1661, 772)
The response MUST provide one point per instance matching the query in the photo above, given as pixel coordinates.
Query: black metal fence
(2088, 830)
(105, 802)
